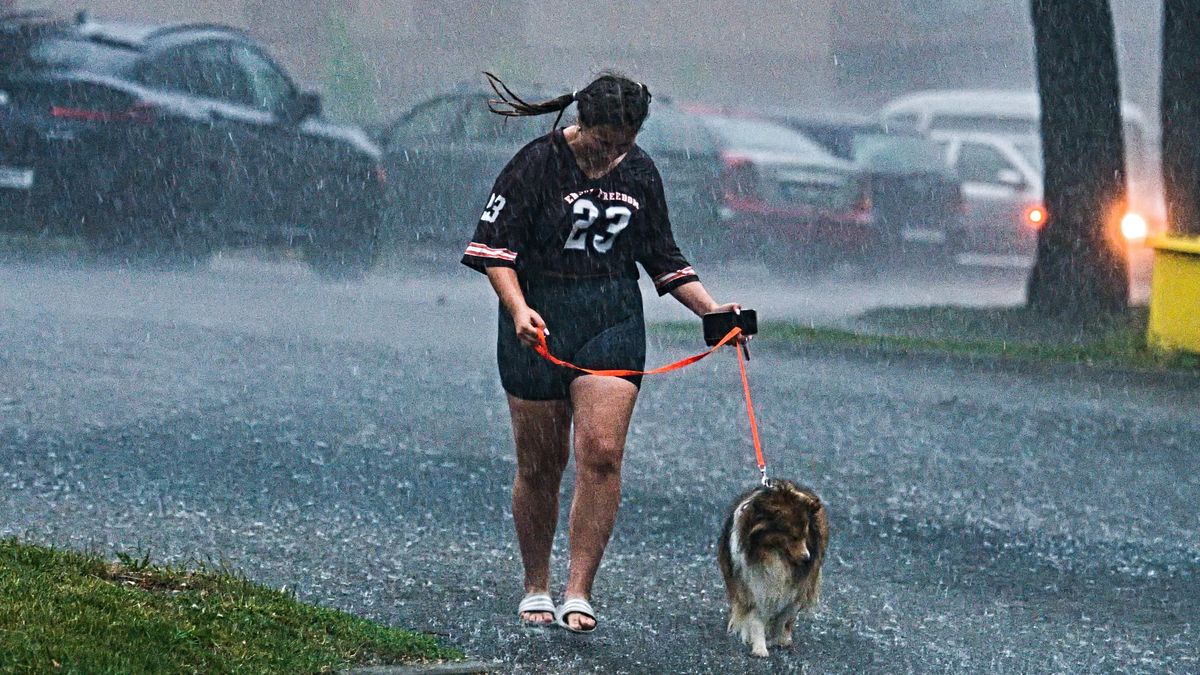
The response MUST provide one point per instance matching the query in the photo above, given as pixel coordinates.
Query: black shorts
(594, 323)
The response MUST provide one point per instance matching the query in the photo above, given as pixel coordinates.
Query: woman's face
(603, 143)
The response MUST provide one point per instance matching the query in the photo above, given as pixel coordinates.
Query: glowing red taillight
(1134, 227)
(139, 113)
(1036, 217)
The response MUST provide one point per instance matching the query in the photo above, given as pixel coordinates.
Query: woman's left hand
(731, 307)
(727, 307)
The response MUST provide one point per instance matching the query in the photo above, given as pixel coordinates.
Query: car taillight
(1035, 216)
(739, 179)
(139, 113)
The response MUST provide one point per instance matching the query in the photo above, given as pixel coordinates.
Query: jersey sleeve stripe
(482, 251)
(668, 277)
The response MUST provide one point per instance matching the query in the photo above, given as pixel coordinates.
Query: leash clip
(766, 482)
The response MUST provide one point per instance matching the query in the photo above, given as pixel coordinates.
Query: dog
(770, 553)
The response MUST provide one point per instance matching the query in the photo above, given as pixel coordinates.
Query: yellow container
(1175, 294)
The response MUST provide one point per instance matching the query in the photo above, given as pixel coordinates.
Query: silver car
(1001, 190)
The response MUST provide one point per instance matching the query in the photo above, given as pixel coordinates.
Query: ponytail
(610, 99)
(511, 105)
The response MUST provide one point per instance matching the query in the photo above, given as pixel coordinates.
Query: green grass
(35, 246)
(1008, 332)
(62, 611)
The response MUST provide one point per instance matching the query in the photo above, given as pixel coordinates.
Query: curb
(456, 668)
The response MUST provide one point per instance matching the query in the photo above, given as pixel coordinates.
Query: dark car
(917, 198)
(444, 154)
(784, 198)
(176, 138)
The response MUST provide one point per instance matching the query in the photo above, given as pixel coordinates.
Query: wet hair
(611, 99)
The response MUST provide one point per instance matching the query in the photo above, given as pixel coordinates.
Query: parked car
(177, 137)
(917, 198)
(1002, 189)
(444, 154)
(1017, 115)
(785, 198)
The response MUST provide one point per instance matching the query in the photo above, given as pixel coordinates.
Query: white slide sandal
(576, 606)
(535, 603)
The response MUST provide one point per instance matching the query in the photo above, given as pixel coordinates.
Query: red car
(785, 198)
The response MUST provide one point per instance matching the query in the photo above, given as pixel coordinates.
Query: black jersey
(546, 217)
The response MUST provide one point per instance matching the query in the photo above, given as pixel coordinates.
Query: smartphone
(718, 324)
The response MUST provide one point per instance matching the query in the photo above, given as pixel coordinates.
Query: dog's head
(784, 519)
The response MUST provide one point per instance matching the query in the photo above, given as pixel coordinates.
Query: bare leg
(602, 407)
(541, 430)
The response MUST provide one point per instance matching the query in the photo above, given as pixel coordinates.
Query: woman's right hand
(529, 324)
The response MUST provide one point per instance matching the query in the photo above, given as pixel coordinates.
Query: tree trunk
(1181, 114)
(1081, 270)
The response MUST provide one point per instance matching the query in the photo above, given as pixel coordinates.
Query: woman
(567, 221)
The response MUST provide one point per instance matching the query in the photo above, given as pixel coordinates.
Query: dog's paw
(753, 636)
(781, 633)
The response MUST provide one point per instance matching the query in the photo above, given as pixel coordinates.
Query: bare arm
(695, 297)
(508, 289)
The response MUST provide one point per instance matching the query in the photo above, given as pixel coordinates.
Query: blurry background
(299, 378)
(373, 58)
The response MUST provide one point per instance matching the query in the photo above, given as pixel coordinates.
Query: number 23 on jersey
(586, 214)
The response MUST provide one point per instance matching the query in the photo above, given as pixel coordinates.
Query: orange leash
(544, 351)
(758, 453)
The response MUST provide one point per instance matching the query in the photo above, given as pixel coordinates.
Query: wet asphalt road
(350, 441)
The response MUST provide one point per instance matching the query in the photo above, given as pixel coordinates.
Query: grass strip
(1005, 332)
(71, 612)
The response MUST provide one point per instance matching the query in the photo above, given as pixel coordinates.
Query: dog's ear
(815, 504)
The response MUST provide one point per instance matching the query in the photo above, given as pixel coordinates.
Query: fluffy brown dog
(770, 553)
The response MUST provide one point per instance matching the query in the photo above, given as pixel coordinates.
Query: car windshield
(899, 153)
(755, 134)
